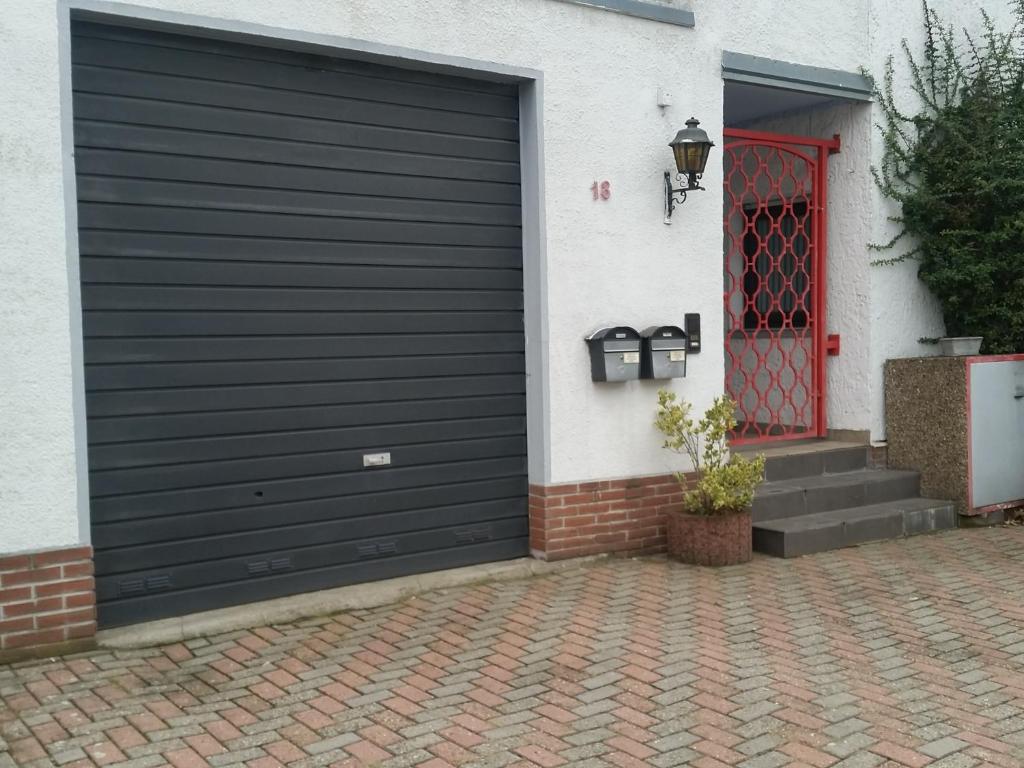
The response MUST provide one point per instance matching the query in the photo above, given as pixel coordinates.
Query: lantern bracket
(677, 195)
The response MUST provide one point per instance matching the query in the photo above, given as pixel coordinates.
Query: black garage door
(290, 262)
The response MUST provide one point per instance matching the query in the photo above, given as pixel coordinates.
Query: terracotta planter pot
(710, 539)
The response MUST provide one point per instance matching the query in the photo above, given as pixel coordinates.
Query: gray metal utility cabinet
(959, 421)
(663, 354)
(614, 354)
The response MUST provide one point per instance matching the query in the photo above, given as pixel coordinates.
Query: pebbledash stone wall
(47, 598)
(624, 516)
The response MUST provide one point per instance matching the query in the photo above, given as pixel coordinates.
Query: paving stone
(942, 747)
(630, 662)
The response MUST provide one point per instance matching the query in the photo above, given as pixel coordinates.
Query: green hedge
(956, 167)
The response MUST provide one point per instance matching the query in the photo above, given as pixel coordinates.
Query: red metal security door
(775, 235)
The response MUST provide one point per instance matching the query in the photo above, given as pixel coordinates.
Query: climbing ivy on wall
(955, 166)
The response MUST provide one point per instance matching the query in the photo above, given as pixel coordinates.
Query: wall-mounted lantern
(691, 148)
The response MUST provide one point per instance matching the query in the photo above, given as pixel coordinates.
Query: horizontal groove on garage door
(113, 456)
(163, 426)
(166, 125)
(207, 195)
(243, 543)
(305, 61)
(339, 228)
(168, 245)
(117, 81)
(274, 490)
(266, 396)
(290, 261)
(163, 350)
(111, 271)
(224, 591)
(269, 75)
(270, 154)
(123, 533)
(99, 323)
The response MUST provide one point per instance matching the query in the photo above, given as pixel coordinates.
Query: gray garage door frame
(532, 240)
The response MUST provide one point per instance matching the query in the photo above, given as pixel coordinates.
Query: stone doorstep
(835, 529)
(325, 602)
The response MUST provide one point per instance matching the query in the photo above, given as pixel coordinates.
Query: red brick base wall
(622, 516)
(46, 598)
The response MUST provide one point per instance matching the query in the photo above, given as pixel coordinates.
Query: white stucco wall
(38, 494)
(611, 261)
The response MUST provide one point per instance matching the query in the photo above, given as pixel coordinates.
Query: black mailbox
(614, 354)
(664, 352)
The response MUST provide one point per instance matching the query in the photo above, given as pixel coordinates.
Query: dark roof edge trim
(744, 68)
(642, 10)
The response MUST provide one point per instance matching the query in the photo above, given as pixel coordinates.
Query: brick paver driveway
(904, 653)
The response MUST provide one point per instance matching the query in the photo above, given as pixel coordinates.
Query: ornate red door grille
(775, 235)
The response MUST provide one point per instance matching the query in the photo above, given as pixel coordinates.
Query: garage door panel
(239, 422)
(216, 222)
(98, 376)
(96, 269)
(240, 569)
(138, 506)
(134, 454)
(104, 189)
(289, 261)
(124, 533)
(252, 299)
(272, 152)
(154, 245)
(207, 170)
(259, 469)
(141, 323)
(201, 399)
(142, 57)
(158, 601)
(170, 121)
(288, 536)
(119, 82)
(263, 50)
(286, 347)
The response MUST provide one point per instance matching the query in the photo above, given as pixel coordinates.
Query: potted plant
(713, 525)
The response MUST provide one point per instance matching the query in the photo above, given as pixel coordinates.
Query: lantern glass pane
(679, 150)
(705, 153)
(693, 157)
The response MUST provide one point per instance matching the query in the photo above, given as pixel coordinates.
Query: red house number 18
(601, 190)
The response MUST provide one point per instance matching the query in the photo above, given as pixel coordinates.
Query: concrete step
(809, 495)
(825, 459)
(823, 531)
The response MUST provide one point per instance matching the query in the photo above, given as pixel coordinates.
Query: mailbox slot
(663, 354)
(614, 354)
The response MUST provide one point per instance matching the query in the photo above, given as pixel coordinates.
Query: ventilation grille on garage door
(143, 585)
(273, 565)
(378, 549)
(473, 534)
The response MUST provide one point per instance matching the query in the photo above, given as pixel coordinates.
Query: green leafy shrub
(956, 168)
(724, 483)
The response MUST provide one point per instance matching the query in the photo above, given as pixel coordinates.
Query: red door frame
(819, 223)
